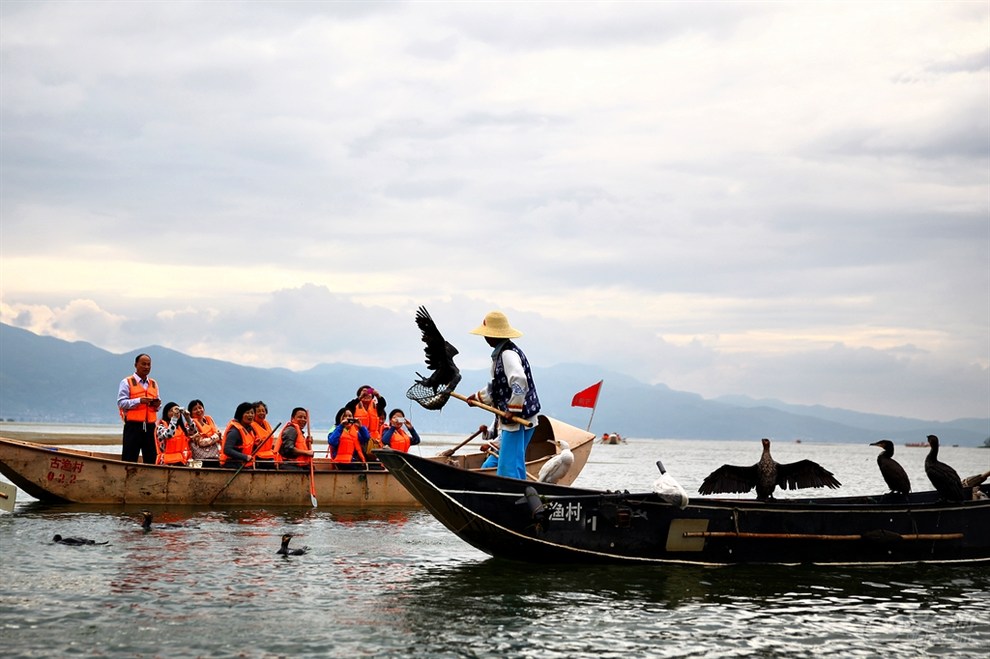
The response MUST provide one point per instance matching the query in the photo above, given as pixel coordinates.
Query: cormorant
(285, 551)
(891, 470)
(766, 475)
(439, 354)
(945, 479)
(75, 541)
(147, 519)
(669, 489)
(557, 467)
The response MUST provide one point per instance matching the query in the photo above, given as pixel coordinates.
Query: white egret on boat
(669, 489)
(557, 466)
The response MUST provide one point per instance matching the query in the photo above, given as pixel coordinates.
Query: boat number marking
(68, 469)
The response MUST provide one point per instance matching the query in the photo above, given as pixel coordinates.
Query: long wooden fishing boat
(542, 523)
(54, 474)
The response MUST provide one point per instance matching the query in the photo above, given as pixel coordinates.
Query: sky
(781, 200)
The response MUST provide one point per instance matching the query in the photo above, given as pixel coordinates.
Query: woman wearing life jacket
(264, 458)
(369, 409)
(173, 443)
(205, 443)
(293, 448)
(238, 438)
(345, 440)
(399, 434)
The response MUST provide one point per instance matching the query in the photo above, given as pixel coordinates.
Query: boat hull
(588, 526)
(54, 474)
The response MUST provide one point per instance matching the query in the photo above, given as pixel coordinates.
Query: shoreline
(58, 439)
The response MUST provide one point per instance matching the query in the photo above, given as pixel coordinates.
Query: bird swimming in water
(439, 354)
(669, 489)
(891, 470)
(147, 518)
(75, 541)
(766, 475)
(285, 551)
(945, 479)
(557, 467)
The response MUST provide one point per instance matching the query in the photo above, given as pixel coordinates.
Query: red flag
(587, 397)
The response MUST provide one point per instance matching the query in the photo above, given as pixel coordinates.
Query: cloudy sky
(786, 200)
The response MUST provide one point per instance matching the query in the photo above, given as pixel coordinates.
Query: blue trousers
(512, 452)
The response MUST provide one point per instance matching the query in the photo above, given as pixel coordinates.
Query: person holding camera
(399, 434)
(294, 448)
(347, 438)
(138, 401)
(369, 409)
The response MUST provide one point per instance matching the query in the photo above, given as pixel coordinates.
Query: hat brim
(495, 333)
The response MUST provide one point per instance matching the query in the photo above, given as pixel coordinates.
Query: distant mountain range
(50, 380)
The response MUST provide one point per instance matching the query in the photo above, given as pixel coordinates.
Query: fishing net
(432, 398)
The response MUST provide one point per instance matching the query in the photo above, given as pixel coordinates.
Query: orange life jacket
(263, 432)
(348, 446)
(368, 416)
(176, 449)
(142, 411)
(400, 441)
(207, 427)
(247, 440)
(300, 436)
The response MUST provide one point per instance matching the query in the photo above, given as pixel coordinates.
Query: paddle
(312, 480)
(253, 452)
(449, 452)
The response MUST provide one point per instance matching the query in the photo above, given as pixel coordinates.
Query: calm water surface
(390, 583)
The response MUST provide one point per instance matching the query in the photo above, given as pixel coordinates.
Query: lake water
(396, 582)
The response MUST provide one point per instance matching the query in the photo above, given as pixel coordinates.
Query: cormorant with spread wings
(766, 475)
(439, 354)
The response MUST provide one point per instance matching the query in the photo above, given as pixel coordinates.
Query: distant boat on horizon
(917, 444)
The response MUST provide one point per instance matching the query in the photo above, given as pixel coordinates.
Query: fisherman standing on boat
(511, 391)
(138, 400)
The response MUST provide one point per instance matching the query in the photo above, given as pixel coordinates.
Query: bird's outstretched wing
(439, 353)
(730, 479)
(804, 473)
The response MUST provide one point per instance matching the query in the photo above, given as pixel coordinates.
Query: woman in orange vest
(369, 409)
(206, 440)
(395, 435)
(173, 443)
(238, 438)
(294, 448)
(265, 456)
(345, 440)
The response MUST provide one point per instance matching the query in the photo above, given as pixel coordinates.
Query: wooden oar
(449, 452)
(256, 449)
(504, 415)
(312, 480)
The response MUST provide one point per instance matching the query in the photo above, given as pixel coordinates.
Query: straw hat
(496, 326)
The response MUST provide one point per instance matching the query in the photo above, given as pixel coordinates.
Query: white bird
(557, 466)
(669, 489)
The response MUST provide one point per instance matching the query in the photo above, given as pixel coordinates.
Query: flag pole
(600, 383)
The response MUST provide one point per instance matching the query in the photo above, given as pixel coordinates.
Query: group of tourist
(189, 436)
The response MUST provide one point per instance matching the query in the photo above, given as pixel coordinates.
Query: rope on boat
(872, 535)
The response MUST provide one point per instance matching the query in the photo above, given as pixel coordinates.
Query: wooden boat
(613, 438)
(55, 474)
(541, 523)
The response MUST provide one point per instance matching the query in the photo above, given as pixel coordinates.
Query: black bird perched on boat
(285, 551)
(75, 541)
(439, 354)
(891, 470)
(766, 475)
(945, 479)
